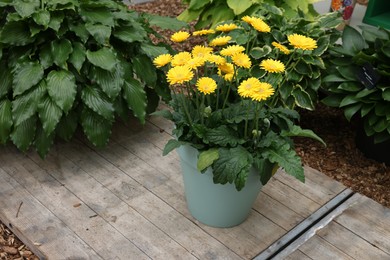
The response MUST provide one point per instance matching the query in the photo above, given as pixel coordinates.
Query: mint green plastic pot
(212, 204)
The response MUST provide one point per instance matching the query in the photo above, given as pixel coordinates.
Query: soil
(340, 159)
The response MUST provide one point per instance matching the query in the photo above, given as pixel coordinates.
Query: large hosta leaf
(77, 57)
(67, 125)
(26, 75)
(43, 142)
(100, 32)
(61, 49)
(232, 166)
(110, 82)
(104, 58)
(23, 135)
(42, 18)
(16, 33)
(5, 120)
(49, 114)
(5, 80)
(302, 98)
(26, 8)
(101, 15)
(145, 69)
(45, 56)
(239, 7)
(165, 22)
(61, 86)
(129, 34)
(135, 97)
(96, 128)
(96, 100)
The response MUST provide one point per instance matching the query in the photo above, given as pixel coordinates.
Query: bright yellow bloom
(302, 42)
(273, 66)
(281, 47)
(162, 60)
(231, 50)
(180, 36)
(242, 60)
(226, 27)
(228, 77)
(195, 62)
(181, 58)
(216, 59)
(247, 19)
(203, 32)
(226, 68)
(246, 87)
(260, 25)
(262, 92)
(206, 85)
(221, 40)
(201, 51)
(179, 75)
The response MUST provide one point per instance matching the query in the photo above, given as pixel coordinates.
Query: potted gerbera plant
(229, 121)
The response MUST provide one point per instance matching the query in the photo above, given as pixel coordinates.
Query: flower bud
(207, 111)
(267, 123)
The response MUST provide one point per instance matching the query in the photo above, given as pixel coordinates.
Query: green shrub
(69, 63)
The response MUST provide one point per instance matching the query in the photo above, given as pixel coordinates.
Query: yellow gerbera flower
(226, 68)
(201, 51)
(246, 87)
(181, 58)
(262, 92)
(227, 27)
(302, 42)
(281, 47)
(247, 19)
(195, 62)
(216, 59)
(162, 60)
(273, 66)
(206, 85)
(242, 60)
(180, 36)
(179, 75)
(228, 77)
(260, 25)
(203, 32)
(232, 50)
(220, 41)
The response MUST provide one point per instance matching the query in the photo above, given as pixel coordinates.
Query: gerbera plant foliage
(227, 100)
(70, 63)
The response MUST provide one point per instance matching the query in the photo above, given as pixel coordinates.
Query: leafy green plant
(69, 63)
(358, 79)
(211, 12)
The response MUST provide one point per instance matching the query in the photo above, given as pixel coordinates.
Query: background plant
(301, 81)
(358, 79)
(69, 63)
(211, 12)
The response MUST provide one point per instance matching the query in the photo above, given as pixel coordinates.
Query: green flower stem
(201, 112)
(246, 123)
(185, 105)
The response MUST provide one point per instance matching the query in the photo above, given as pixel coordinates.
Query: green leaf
(366, 109)
(265, 168)
(25, 106)
(110, 82)
(104, 58)
(23, 135)
(334, 78)
(350, 86)
(100, 15)
(197, 4)
(77, 57)
(163, 113)
(302, 98)
(385, 93)
(67, 125)
(348, 72)
(257, 52)
(49, 114)
(381, 125)
(222, 136)
(171, 145)
(43, 142)
(207, 158)
(61, 86)
(80, 30)
(153, 51)
(165, 22)
(365, 92)
(350, 111)
(145, 69)
(322, 43)
(371, 33)
(5, 120)
(96, 128)
(96, 100)
(26, 8)
(42, 17)
(298, 131)
(6, 80)
(129, 34)
(348, 100)
(45, 56)
(26, 75)
(135, 97)
(56, 20)
(233, 165)
(100, 32)
(61, 49)
(353, 41)
(316, 61)
(239, 6)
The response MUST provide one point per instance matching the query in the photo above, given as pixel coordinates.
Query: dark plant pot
(379, 152)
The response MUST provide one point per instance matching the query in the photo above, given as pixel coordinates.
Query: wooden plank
(120, 215)
(350, 243)
(369, 220)
(296, 255)
(319, 249)
(41, 230)
(68, 207)
(164, 216)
